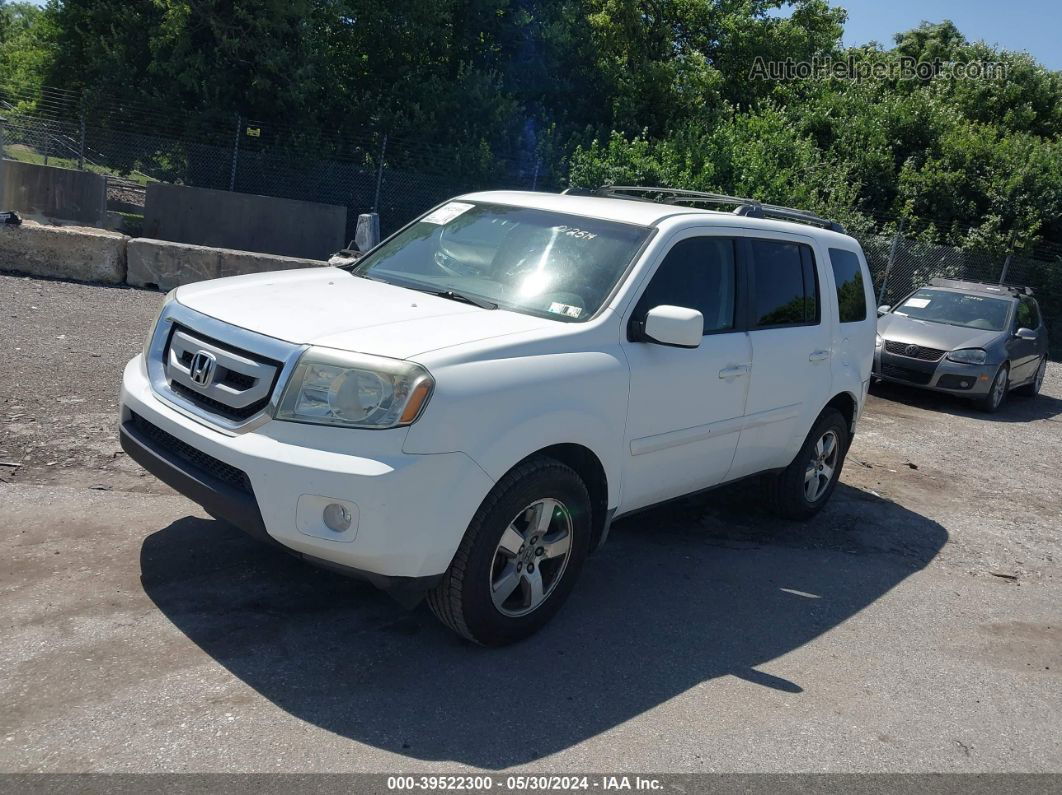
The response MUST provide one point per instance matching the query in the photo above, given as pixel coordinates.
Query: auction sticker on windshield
(447, 213)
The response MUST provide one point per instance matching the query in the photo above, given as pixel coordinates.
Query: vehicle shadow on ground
(703, 588)
(1018, 408)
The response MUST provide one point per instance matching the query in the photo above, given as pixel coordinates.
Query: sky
(1030, 25)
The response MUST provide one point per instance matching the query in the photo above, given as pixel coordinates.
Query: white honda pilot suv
(464, 412)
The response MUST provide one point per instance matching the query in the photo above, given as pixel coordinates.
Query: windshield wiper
(482, 303)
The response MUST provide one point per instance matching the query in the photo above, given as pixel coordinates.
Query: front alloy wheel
(531, 557)
(997, 393)
(520, 555)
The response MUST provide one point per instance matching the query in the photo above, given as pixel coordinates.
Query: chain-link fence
(368, 171)
(364, 171)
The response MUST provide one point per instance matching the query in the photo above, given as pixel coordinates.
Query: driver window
(1026, 316)
(697, 273)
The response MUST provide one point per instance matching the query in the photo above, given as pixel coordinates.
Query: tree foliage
(596, 91)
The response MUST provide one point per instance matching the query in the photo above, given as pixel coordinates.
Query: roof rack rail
(968, 284)
(748, 207)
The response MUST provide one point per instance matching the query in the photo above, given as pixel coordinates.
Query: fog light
(336, 517)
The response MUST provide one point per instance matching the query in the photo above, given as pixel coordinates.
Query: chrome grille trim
(192, 332)
(184, 345)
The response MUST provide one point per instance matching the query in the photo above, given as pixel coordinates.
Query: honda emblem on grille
(201, 370)
(911, 350)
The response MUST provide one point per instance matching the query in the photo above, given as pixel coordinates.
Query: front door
(686, 404)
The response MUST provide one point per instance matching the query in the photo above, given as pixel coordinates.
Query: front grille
(197, 459)
(913, 351)
(906, 374)
(239, 386)
(216, 406)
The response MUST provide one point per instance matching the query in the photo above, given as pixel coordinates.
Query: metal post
(47, 140)
(1006, 267)
(892, 259)
(81, 147)
(379, 176)
(235, 152)
(534, 179)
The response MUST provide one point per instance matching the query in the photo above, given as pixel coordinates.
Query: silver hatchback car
(966, 338)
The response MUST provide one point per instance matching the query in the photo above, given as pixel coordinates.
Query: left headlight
(968, 356)
(354, 390)
(878, 341)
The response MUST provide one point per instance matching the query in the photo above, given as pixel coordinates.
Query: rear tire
(520, 556)
(997, 393)
(1032, 389)
(802, 488)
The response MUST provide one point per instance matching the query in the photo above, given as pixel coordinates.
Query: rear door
(790, 329)
(686, 404)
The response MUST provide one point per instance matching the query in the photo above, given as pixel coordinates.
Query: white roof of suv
(632, 211)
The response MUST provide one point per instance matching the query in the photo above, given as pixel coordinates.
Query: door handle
(734, 372)
(819, 356)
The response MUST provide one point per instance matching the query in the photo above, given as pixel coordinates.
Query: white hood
(332, 308)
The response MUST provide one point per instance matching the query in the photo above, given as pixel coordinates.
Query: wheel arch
(591, 471)
(844, 402)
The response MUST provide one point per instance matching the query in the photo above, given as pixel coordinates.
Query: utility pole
(235, 152)
(892, 259)
(379, 175)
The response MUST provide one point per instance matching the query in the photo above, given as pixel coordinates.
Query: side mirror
(674, 325)
(883, 309)
(1025, 334)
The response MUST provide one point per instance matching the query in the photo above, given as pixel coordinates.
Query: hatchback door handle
(819, 356)
(734, 372)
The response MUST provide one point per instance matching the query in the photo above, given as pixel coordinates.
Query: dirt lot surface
(915, 625)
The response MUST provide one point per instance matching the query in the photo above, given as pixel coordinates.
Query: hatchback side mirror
(674, 325)
(1025, 334)
(883, 309)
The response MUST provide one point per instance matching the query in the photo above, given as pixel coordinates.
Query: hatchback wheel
(520, 556)
(801, 490)
(997, 393)
(1032, 389)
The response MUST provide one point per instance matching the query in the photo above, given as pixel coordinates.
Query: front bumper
(409, 512)
(970, 380)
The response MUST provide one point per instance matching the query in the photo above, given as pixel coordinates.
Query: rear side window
(848, 276)
(786, 289)
(697, 273)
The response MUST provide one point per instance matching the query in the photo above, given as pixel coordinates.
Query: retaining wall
(48, 193)
(243, 221)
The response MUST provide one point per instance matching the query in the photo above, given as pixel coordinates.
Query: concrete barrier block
(164, 265)
(64, 252)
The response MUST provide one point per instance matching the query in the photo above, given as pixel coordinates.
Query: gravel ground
(915, 625)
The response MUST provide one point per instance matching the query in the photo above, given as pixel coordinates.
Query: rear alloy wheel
(1032, 389)
(520, 556)
(997, 393)
(803, 487)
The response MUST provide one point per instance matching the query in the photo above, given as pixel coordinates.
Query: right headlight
(170, 297)
(354, 390)
(968, 356)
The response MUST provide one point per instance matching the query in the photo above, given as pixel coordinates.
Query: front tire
(802, 488)
(997, 393)
(520, 556)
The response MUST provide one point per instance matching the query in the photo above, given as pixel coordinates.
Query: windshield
(957, 309)
(532, 261)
